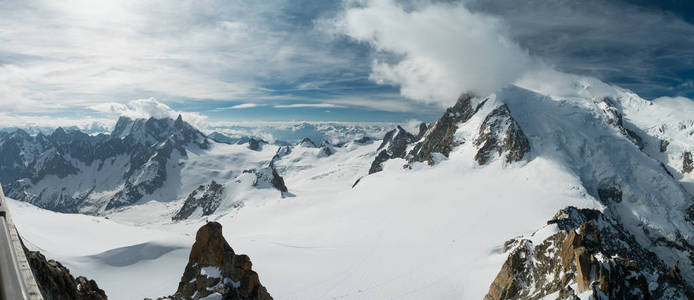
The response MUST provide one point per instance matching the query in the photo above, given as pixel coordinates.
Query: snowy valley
(524, 193)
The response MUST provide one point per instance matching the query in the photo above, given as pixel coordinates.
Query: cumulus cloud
(146, 108)
(441, 49)
(645, 46)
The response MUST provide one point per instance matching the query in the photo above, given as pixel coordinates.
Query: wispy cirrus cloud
(308, 105)
(80, 53)
(240, 106)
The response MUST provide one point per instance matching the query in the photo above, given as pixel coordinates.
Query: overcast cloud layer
(350, 59)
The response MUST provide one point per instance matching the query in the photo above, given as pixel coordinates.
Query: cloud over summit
(441, 50)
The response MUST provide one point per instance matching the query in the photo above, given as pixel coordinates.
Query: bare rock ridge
(501, 134)
(439, 138)
(56, 282)
(214, 268)
(590, 253)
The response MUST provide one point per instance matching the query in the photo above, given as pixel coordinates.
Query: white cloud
(241, 106)
(50, 122)
(444, 49)
(308, 105)
(77, 53)
(145, 108)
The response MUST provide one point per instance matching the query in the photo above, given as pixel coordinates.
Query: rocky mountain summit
(69, 171)
(498, 134)
(440, 137)
(501, 134)
(215, 269)
(587, 255)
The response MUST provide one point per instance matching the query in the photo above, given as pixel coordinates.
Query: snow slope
(391, 237)
(424, 232)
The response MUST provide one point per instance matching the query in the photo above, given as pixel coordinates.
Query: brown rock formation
(590, 252)
(213, 267)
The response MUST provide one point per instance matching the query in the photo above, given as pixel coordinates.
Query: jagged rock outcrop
(663, 145)
(394, 145)
(687, 162)
(214, 268)
(590, 253)
(56, 282)
(268, 178)
(439, 138)
(500, 134)
(615, 118)
(207, 198)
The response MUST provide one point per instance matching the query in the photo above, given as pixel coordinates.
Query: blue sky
(280, 60)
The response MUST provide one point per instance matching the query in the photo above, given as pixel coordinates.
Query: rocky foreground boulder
(56, 283)
(589, 257)
(214, 269)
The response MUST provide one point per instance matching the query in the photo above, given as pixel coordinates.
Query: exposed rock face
(213, 267)
(56, 282)
(615, 118)
(139, 151)
(590, 253)
(439, 138)
(205, 197)
(394, 145)
(687, 162)
(663, 145)
(501, 134)
(612, 193)
(422, 130)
